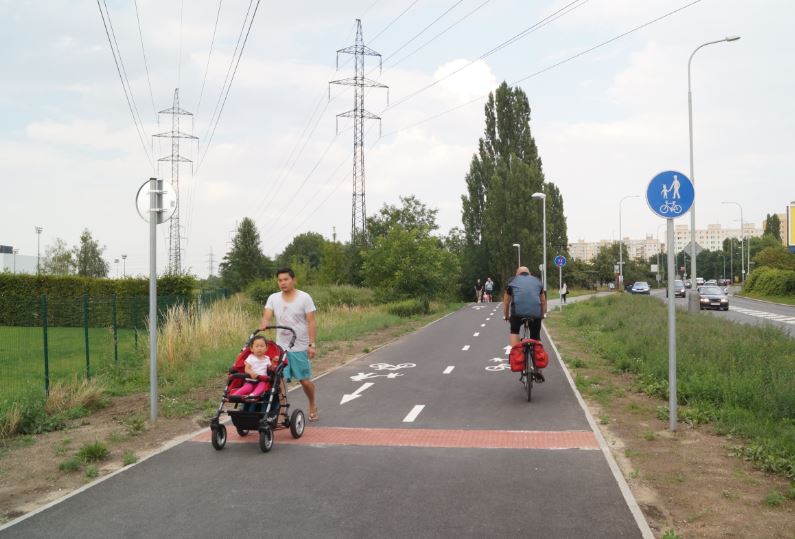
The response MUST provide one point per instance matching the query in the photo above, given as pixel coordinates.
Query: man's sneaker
(538, 377)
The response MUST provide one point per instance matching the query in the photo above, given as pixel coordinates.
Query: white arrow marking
(412, 415)
(475, 334)
(356, 394)
(465, 348)
(448, 370)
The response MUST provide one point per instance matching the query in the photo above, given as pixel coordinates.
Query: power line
(548, 68)
(122, 78)
(209, 56)
(146, 64)
(418, 34)
(571, 6)
(396, 19)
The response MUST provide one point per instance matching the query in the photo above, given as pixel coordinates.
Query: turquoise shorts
(298, 366)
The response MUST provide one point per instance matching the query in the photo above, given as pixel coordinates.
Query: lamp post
(15, 251)
(518, 254)
(116, 261)
(742, 244)
(543, 198)
(693, 304)
(124, 265)
(621, 244)
(38, 230)
(659, 249)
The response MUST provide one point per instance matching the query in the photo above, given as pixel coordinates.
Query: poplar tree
(498, 209)
(245, 262)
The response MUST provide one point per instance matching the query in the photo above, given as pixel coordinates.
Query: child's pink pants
(249, 389)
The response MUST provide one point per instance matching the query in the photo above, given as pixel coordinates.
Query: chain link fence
(47, 340)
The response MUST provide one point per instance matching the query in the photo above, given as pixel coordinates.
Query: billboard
(791, 227)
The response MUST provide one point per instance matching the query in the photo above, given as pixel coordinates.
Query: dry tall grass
(188, 329)
(10, 420)
(87, 394)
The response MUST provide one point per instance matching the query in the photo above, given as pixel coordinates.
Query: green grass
(787, 300)
(737, 377)
(93, 452)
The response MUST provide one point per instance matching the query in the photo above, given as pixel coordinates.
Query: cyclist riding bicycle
(525, 298)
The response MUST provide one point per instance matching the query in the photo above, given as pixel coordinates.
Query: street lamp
(38, 230)
(659, 249)
(742, 244)
(124, 265)
(15, 251)
(543, 198)
(692, 304)
(518, 254)
(621, 244)
(116, 261)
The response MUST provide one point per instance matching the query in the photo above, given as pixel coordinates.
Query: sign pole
(154, 217)
(560, 285)
(671, 328)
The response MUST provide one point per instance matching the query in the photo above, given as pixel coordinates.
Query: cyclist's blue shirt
(525, 292)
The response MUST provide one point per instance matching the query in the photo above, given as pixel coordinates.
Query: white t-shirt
(292, 315)
(259, 366)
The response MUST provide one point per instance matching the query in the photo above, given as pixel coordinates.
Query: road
(430, 436)
(749, 311)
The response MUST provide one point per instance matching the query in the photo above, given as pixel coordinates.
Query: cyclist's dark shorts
(535, 326)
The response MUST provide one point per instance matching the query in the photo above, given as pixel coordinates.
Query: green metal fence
(62, 340)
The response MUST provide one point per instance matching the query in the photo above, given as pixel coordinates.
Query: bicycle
(671, 206)
(530, 372)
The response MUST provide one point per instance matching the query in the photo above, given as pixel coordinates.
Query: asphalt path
(441, 443)
(749, 311)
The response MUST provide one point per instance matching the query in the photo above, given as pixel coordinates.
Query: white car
(641, 287)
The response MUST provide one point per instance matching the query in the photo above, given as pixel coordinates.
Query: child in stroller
(255, 398)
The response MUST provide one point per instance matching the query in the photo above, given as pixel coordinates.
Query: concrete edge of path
(629, 498)
(187, 437)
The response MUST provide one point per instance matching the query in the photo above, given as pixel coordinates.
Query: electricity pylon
(359, 81)
(174, 231)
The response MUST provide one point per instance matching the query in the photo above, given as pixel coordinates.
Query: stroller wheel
(266, 439)
(219, 437)
(242, 432)
(297, 423)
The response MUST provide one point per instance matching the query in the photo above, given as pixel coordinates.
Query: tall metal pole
(154, 216)
(693, 304)
(38, 230)
(544, 215)
(742, 241)
(518, 254)
(124, 265)
(671, 330)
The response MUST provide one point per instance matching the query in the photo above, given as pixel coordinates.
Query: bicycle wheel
(528, 373)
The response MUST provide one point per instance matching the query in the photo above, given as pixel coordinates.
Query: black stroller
(259, 412)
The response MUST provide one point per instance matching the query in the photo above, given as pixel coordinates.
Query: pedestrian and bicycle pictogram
(670, 194)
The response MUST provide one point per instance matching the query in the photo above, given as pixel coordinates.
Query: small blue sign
(670, 194)
(560, 261)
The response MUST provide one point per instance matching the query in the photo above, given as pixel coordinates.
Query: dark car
(640, 287)
(712, 297)
(679, 289)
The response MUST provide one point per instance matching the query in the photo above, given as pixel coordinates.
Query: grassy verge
(195, 348)
(787, 300)
(739, 378)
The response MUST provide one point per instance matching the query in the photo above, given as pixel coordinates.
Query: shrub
(70, 465)
(409, 307)
(771, 282)
(93, 452)
(338, 295)
(259, 290)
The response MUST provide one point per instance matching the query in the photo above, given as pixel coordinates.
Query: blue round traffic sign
(560, 261)
(670, 194)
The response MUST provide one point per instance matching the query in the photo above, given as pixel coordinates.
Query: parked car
(712, 297)
(640, 287)
(679, 289)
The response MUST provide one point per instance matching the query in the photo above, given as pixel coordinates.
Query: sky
(605, 122)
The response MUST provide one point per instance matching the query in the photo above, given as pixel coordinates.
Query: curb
(629, 498)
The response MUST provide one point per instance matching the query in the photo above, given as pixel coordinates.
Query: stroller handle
(286, 328)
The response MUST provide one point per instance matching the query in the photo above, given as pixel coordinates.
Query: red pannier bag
(516, 356)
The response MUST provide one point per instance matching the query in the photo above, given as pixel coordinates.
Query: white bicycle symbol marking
(388, 367)
(671, 206)
(367, 375)
(500, 367)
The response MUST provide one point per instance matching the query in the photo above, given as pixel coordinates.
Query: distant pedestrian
(295, 309)
(478, 291)
(564, 291)
(489, 289)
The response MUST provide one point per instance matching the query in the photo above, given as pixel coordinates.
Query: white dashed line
(465, 348)
(483, 325)
(448, 370)
(412, 415)
(475, 334)
(487, 319)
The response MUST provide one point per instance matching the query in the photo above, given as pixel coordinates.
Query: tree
(333, 269)
(407, 263)
(773, 226)
(307, 247)
(58, 259)
(777, 257)
(498, 209)
(88, 257)
(411, 214)
(245, 262)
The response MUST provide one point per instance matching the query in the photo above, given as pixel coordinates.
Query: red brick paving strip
(489, 439)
